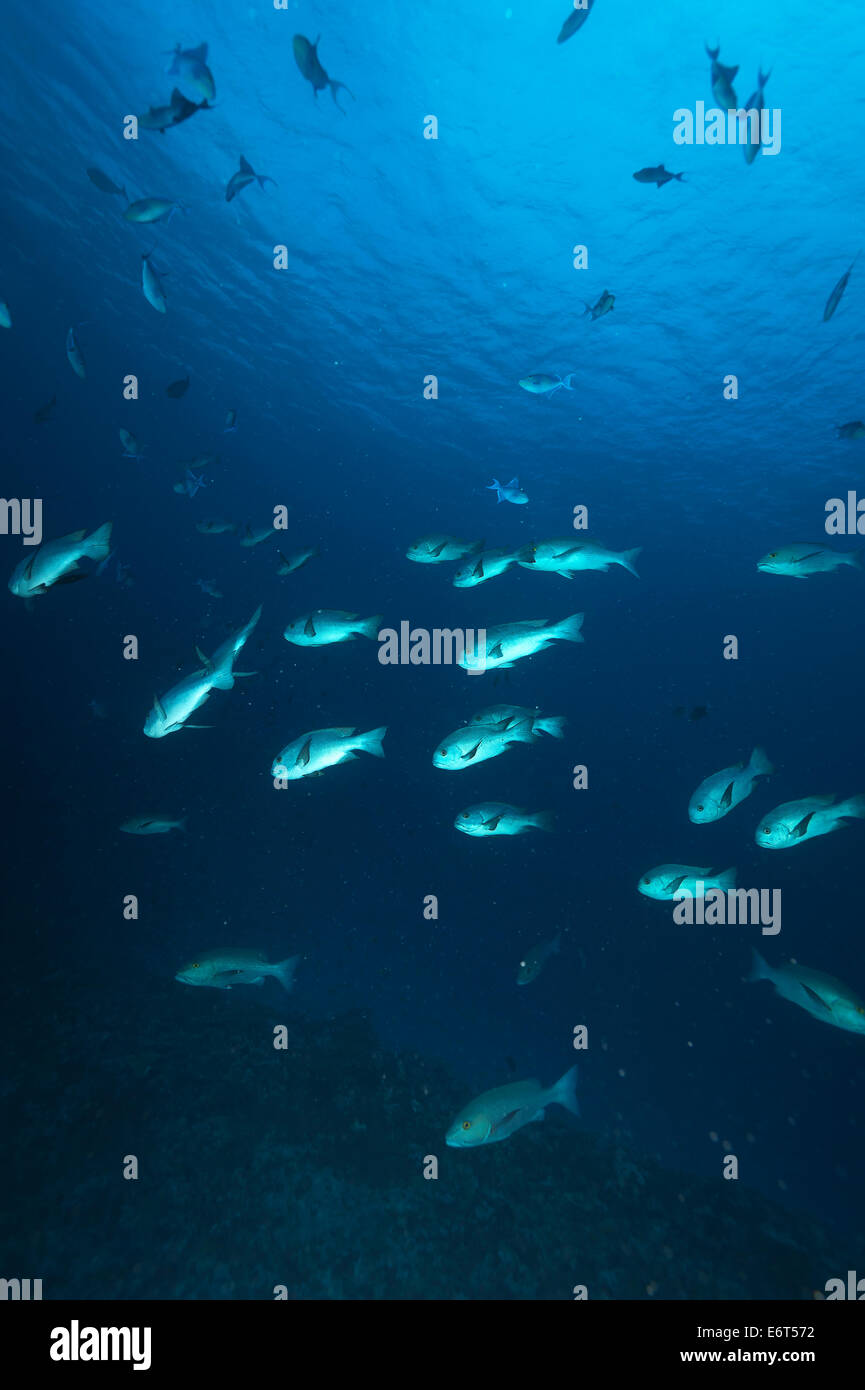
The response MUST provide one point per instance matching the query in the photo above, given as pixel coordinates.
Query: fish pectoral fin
(812, 554)
(492, 822)
(727, 799)
(511, 1115)
(674, 884)
(812, 994)
(71, 577)
(472, 751)
(302, 759)
(799, 830)
(496, 650)
(309, 628)
(159, 708)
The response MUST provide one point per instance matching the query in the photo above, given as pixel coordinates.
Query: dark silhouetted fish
(104, 183)
(178, 109)
(575, 20)
(698, 712)
(756, 103)
(306, 57)
(604, 306)
(854, 429)
(835, 297)
(44, 412)
(722, 81)
(190, 65)
(177, 389)
(244, 176)
(657, 175)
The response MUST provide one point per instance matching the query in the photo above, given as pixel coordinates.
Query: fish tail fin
(680, 177)
(553, 724)
(727, 879)
(543, 820)
(370, 627)
(372, 742)
(334, 88)
(565, 1091)
(569, 628)
(265, 178)
(759, 969)
(853, 807)
(181, 824)
(566, 380)
(761, 80)
(759, 764)
(99, 543)
(711, 52)
(284, 971)
(854, 558)
(491, 487)
(627, 558)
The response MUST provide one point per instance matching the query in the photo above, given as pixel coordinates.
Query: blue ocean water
(409, 258)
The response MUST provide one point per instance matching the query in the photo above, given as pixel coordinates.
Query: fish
(179, 109)
(151, 287)
(5, 316)
(75, 355)
(485, 566)
(576, 19)
(719, 794)
(657, 175)
(152, 825)
(722, 81)
(178, 388)
(97, 710)
(797, 821)
(605, 305)
(509, 492)
(509, 642)
(505, 716)
(441, 550)
(214, 527)
(499, 818)
(130, 445)
(252, 538)
(150, 210)
(44, 413)
(244, 176)
(835, 297)
(235, 965)
(542, 384)
(307, 59)
(104, 183)
(820, 995)
(230, 425)
(170, 712)
(220, 667)
(468, 746)
(323, 748)
(296, 560)
(191, 484)
(807, 557)
(667, 880)
(190, 65)
(207, 586)
(854, 429)
(756, 103)
(698, 712)
(57, 562)
(499, 1113)
(534, 961)
(326, 626)
(567, 555)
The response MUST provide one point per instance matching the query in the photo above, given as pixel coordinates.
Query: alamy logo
(22, 516)
(733, 127)
(77, 1343)
(441, 646)
(836, 1288)
(732, 906)
(19, 1289)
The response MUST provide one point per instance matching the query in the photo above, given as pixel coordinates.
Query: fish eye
(772, 554)
(467, 1124)
(765, 830)
(465, 815)
(699, 808)
(443, 752)
(195, 965)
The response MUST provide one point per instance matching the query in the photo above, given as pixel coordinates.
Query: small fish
(130, 445)
(324, 627)
(296, 560)
(190, 66)
(230, 422)
(207, 586)
(835, 297)
(252, 538)
(178, 388)
(307, 59)
(44, 413)
(104, 183)
(498, 818)
(797, 821)
(150, 210)
(719, 794)
(722, 81)
(854, 429)
(486, 566)
(75, 355)
(605, 305)
(324, 748)
(470, 745)
(505, 716)
(97, 710)
(567, 556)
(698, 712)
(508, 492)
(534, 961)
(667, 880)
(441, 550)
(755, 103)
(499, 1113)
(508, 642)
(57, 562)
(191, 485)
(245, 176)
(5, 316)
(807, 557)
(820, 995)
(151, 286)
(542, 384)
(179, 109)
(657, 175)
(215, 527)
(152, 825)
(230, 965)
(575, 20)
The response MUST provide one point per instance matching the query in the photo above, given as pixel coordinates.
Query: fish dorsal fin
(246, 167)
